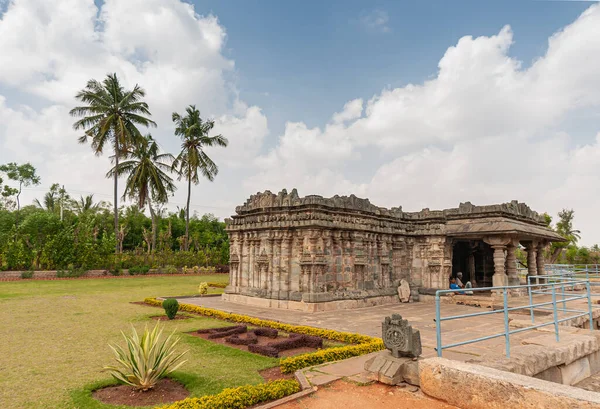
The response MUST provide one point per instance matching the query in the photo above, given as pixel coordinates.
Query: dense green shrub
(143, 270)
(71, 272)
(171, 306)
(44, 241)
(169, 270)
(242, 397)
(27, 274)
(115, 271)
(203, 288)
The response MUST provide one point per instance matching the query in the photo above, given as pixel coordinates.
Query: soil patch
(165, 391)
(346, 395)
(165, 318)
(261, 341)
(274, 373)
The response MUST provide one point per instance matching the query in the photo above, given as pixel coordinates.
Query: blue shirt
(454, 286)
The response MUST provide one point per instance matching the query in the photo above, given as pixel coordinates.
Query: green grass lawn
(55, 335)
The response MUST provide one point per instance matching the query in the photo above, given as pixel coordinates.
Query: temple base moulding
(310, 307)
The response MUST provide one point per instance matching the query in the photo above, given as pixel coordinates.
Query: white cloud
(164, 45)
(484, 129)
(376, 21)
(352, 110)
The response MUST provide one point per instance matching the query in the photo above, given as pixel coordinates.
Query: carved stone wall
(313, 249)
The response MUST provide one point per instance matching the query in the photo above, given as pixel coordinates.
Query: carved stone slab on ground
(400, 362)
(400, 338)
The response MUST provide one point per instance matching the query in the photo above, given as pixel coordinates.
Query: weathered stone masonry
(314, 253)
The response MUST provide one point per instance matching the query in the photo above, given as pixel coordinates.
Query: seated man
(467, 286)
(459, 282)
(453, 285)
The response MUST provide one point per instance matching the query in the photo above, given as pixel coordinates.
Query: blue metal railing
(543, 288)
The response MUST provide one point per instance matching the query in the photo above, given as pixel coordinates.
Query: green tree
(25, 176)
(565, 226)
(148, 180)
(110, 116)
(55, 200)
(192, 160)
(86, 205)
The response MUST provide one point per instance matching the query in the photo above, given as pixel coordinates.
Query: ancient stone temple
(312, 253)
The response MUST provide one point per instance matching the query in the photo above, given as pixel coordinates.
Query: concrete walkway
(368, 321)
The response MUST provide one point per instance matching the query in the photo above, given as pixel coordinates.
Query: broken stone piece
(404, 291)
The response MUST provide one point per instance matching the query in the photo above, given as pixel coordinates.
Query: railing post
(589, 297)
(438, 325)
(555, 312)
(587, 273)
(563, 296)
(506, 327)
(531, 304)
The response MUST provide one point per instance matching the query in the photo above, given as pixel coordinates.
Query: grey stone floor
(368, 321)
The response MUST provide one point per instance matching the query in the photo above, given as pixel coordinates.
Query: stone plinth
(390, 370)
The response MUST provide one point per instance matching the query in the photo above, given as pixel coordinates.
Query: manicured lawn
(54, 336)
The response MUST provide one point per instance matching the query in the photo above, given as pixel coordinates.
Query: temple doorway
(474, 259)
(461, 254)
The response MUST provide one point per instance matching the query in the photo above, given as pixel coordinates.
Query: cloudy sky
(413, 104)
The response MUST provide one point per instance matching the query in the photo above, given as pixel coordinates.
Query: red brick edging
(34, 278)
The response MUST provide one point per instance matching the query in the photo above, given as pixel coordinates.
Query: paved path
(368, 321)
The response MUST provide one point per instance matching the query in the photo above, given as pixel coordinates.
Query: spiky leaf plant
(146, 359)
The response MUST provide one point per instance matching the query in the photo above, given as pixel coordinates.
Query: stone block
(594, 359)
(387, 369)
(575, 372)
(471, 386)
(552, 374)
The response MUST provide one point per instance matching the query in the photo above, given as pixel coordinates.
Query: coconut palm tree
(147, 180)
(86, 204)
(49, 202)
(110, 116)
(192, 160)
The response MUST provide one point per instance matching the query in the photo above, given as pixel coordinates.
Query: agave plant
(146, 359)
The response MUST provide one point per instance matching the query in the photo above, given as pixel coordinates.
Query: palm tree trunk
(153, 217)
(116, 198)
(187, 212)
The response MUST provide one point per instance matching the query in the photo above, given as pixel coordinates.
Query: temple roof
(499, 226)
(466, 220)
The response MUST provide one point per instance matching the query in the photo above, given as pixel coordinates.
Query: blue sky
(310, 56)
(415, 104)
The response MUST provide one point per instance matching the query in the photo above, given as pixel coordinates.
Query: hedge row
(366, 344)
(242, 397)
(218, 285)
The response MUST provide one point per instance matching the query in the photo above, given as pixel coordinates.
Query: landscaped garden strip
(364, 344)
(241, 397)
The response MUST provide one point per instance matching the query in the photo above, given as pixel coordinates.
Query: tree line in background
(567, 252)
(58, 231)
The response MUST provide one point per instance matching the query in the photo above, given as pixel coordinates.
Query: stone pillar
(276, 259)
(270, 265)
(511, 264)
(531, 248)
(245, 262)
(285, 261)
(471, 267)
(499, 278)
(539, 261)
